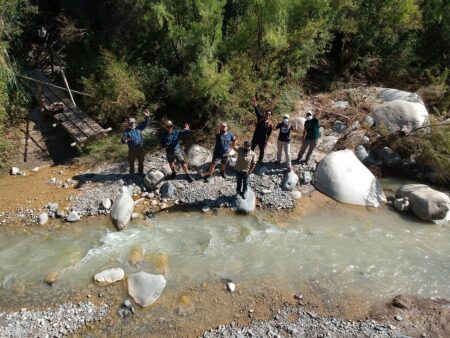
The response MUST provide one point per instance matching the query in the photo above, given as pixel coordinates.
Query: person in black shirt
(310, 137)
(263, 129)
(284, 140)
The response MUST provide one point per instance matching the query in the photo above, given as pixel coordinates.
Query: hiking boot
(223, 174)
(189, 178)
(277, 162)
(244, 195)
(207, 179)
(173, 174)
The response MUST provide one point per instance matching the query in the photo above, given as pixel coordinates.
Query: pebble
(398, 318)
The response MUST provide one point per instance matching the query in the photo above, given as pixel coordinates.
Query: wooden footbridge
(61, 105)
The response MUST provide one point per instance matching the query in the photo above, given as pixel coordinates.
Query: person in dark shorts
(170, 140)
(309, 138)
(284, 141)
(224, 142)
(245, 164)
(132, 136)
(264, 127)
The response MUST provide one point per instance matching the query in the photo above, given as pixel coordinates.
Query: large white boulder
(343, 177)
(248, 204)
(389, 94)
(145, 288)
(153, 179)
(122, 209)
(109, 276)
(398, 114)
(198, 156)
(425, 202)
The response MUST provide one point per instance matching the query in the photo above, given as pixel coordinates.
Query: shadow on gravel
(104, 178)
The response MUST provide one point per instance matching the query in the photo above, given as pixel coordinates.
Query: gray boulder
(168, 190)
(153, 179)
(389, 157)
(340, 175)
(198, 156)
(109, 276)
(327, 144)
(399, 115)
(290, 181)
(425, 202)
(122, 210)
(389, 94)
(145, 288)
(248, 204)
(72, 217)
(43, 218)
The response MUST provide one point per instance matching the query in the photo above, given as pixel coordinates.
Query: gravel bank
(52, 322)
(307, 324)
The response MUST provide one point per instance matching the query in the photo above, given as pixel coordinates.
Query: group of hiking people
(225, 141)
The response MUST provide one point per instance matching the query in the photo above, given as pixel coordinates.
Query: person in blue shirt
(170, 140)
(132, 136)
(225, 141)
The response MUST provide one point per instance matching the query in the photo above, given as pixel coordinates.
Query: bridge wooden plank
(74, 120)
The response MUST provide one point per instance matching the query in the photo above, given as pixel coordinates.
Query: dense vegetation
(204, 59)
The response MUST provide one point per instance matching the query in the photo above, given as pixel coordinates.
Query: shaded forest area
(202, 60)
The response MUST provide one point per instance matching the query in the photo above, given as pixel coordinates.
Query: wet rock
(122, 209)
(72, 217)
(399, 115)
(145, 288)
(43, 218)
(109, 276)
(51, 278)
(248, 204)
(15, 171)
(198, 156)
(425, 202)
(106, 203)
(136, 255)
(137, 215)
(168, 190)
(389, 94)
(343, 177)
(153, 179)
(389, 157)
(401, 204)
(290, 181)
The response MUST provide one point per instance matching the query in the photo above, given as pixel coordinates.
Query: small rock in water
(43, 218)
(109, 276)
(73, 217)
(231, 286)
(51, 277)
(15, 171)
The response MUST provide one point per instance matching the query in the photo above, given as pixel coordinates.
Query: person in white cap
(309, 138)
(132, 136)
(284, 140)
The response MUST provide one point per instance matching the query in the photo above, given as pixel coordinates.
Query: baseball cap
(131, 120)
